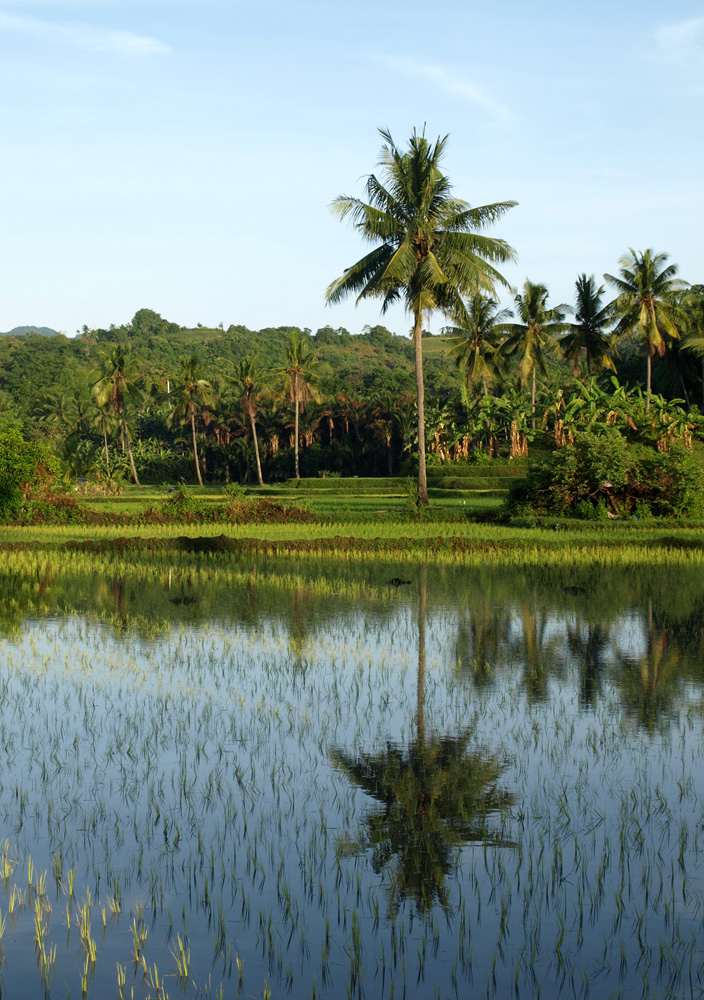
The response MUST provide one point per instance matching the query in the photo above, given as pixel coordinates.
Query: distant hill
(45, 331)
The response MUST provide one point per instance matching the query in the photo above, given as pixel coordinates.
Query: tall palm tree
(535, 336)
(300, 370)
(116, 385)
(473, 343)
(428, 247)
(588, 335)
(646, 302)
(250, 383)
(190, 393)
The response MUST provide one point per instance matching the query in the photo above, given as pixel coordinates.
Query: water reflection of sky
(326, 747)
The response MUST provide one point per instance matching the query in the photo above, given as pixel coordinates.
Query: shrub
(26, 469)
(670, 483)
(600, 476)
(182, 503)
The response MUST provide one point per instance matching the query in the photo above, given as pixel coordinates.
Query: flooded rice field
(277, 779)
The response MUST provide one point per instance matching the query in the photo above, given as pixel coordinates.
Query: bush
(26, 469)
(182, 503)
(670, 483)
(600, 476)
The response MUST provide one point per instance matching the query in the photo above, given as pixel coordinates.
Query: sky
(182, 155)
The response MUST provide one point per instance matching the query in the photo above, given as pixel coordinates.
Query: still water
(291, 779)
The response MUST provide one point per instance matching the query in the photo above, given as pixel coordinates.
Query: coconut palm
(103, 421)
(190, 394)
(693, 336)
(58, 410)
(647, 303)
(251, 382)
(300, 370)
(116, 385)
(534, 337)
(382, 424)
(429, 248)
(587, 336)
(474, 342)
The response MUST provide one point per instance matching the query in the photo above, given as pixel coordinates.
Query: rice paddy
(231, 775)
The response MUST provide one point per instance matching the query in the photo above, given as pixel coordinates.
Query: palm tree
(250, 383)
(59, 410)
(587, 334)
(428, 247)
(190, 394)
(382, 424)
(646, 302)
(534, 336)
(102, 420)
(693, 339)
(116, 384)
(300, 369)
(473, 342)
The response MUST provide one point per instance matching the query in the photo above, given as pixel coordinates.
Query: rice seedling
(191, 750)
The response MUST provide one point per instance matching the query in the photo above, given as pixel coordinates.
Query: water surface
(369, 781)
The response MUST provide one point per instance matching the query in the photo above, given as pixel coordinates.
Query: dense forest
(159, 403)
(157, 394)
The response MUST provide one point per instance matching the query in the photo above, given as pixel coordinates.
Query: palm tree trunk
(256, 448)
(485, 385)
(647, 382)
(532, 398)
(420, 399)
(682, 383)
(295, 439)
(107, 453)
(195, 447)
(126, 438)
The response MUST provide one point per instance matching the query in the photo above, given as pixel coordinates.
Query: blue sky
(182, 155)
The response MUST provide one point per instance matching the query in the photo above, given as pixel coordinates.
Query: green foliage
(357, 486)
(182, 502)
(587, 511)
(25, 468)
(234, 492)
(670, 483)
(600, 476)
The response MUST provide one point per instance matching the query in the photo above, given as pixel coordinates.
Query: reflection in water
(192, 738)
(649, 682)
(588, 642)
(637, 634)
(437, 793)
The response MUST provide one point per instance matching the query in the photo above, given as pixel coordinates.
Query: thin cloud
(84, 36)
(682, 40)
(450, 83)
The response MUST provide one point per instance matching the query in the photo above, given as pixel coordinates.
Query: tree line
(430, 251)
(153, 401)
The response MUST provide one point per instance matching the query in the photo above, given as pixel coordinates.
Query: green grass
(576, 545)
(352, 500)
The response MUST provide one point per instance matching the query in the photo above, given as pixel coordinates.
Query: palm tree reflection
(436, 794)
(589, 642)
(650, 682)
